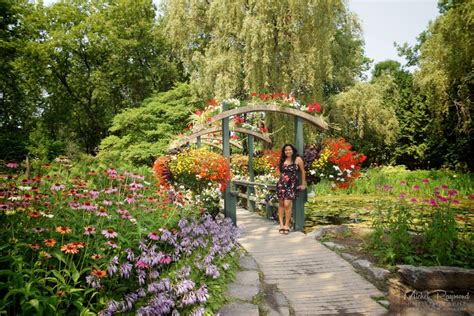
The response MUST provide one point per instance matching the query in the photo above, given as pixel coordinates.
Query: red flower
(253, 94)
(213, 102)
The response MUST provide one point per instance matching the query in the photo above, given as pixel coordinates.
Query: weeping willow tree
(230, 48)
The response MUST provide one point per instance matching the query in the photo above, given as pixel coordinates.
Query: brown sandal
(286, 231)
(281, 231)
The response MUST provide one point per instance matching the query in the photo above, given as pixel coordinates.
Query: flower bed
(88, 239)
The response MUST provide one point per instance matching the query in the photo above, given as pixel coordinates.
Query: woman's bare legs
(281, 212)
(288, 205)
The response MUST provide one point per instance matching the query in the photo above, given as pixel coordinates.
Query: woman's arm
(300, 164)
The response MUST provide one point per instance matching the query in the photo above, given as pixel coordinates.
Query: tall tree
(16, 103)
(93, 58)
(446, 77)
(230, 48)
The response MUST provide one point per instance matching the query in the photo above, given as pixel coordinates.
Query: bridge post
(229, 200)
(298, 205)
(250, 189)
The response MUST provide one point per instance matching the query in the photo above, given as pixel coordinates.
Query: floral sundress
(288, 182)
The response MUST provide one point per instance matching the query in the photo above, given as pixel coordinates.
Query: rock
(318, 233)
(361, 264)
(333, 246)
(248, 263)
(341, 229)
(378, 274)
(437, 278)
(348, 257)
(247, 278)
(239, 309)
(244, 292)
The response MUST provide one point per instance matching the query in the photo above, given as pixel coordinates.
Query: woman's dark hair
(283, 156)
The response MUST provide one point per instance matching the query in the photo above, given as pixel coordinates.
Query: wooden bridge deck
(314, 279)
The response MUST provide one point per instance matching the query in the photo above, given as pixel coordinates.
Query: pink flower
(445, 186)
(88, 206)
(109, 233)
(432, 202)
(57, 187)
(415, 187)
(12, 165)
(89, 230)
(141, 264)
(403, 182)
(452, 193)
(413, 200)
(471, 197)
(102, 213)
(165, 260)
(129, 199)
(107, 202)
(402, 195)
(425, 181)
(153, 236)
(111, 244)
(456, 202)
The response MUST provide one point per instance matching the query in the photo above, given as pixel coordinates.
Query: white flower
(24, 188)
(312, 172)
(352, 166)
(331, 176)
(336, 167)
(333, 184)
(321, 175)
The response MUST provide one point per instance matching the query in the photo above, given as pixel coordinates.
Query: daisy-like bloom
(94, 194)
(34, 246)
(34, 214)
(107, 202)
(111, 244)
(151, 200)
(57, 187)
(129, 199)
(403, 182)
(96, 256)
(402, 195)
(122, 211)
(99, 273)
(101, 212)
(109, 233)
(88, 206)
(50, 242)
(63, 230)
(89, 230)
(413, 200)
(70, 248)
(153, 236)
(425, 181)
(415, 187)
(79, 244)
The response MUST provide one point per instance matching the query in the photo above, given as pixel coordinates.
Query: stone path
(313, 279)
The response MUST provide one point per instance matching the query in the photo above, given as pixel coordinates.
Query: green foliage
(141, 134)
(89, 60)
(446, 79)
(363, 117)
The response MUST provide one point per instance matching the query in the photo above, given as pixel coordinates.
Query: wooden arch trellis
(230, 202)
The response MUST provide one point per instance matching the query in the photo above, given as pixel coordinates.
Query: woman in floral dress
(287, 186)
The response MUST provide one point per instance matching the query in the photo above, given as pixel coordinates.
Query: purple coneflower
(89, 230)
(153, 236)
(111, 244)
(109, 233)
(57, 187)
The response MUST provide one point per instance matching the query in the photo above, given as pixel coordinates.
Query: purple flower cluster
(164, 286)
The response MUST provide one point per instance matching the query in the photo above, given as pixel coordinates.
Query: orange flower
(96, 256)
(50, 242)
(98, 273)
(60, 293)
(63, 230)
(34, 214)
(70, 248)
(79, 245)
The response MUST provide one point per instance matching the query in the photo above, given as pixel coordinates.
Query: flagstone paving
(304, 277)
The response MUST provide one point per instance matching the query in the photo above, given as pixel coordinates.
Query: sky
(388, 21)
